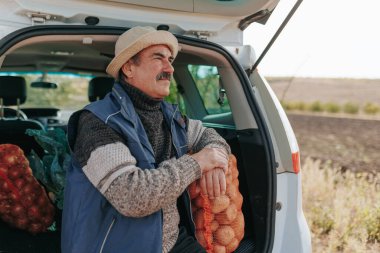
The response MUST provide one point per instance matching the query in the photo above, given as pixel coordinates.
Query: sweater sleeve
(111, 168)
(200, 137)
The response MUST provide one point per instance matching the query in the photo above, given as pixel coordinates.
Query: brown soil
(340, 91)
(351, 143)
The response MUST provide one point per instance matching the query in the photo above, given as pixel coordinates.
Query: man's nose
(168, 67)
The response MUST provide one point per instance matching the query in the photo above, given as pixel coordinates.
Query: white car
(59, 47)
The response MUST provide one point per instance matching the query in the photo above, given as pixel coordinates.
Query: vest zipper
(105, 238)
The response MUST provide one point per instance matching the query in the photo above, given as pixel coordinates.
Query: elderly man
(134, 155)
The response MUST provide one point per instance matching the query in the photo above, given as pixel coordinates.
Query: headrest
(99, 87)
(12, 88)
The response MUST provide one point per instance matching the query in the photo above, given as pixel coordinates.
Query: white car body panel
(201, 19)
(292, 233)
(216, 22)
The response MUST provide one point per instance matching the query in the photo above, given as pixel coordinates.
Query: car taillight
(296, 162)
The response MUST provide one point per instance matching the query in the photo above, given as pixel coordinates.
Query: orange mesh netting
(219, 222)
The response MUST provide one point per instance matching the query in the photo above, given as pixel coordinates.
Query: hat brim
(150, 39)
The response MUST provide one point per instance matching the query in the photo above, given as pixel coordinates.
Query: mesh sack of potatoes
(219, 222)
(24, 203)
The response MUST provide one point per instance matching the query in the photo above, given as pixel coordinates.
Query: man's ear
(126, 68)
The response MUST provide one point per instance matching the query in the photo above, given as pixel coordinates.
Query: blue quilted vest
(90, 223)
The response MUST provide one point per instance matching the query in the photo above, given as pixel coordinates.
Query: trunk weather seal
(32, 31)
(25, 33)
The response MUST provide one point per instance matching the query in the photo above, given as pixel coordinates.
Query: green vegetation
(316, 107)
(350, 108)
(175, 97)
(370, 108)
(342, 209)
(330, 107)
(209, 86)
(206, 79)
(299, 106)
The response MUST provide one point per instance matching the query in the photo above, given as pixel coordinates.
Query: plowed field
(349, 143)
(352, 143)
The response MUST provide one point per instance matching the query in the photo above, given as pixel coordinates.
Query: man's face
(152, 72)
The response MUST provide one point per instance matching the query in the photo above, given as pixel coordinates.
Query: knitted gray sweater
(133, 191)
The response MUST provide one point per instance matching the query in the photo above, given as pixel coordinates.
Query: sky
(324, 38)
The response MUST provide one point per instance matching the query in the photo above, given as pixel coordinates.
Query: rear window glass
(69, 94)
(210, 89)
(175, 96)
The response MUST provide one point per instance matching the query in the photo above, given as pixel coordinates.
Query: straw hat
(136, 39)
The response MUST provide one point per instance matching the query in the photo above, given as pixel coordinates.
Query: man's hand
(211, 158)
(213, 183)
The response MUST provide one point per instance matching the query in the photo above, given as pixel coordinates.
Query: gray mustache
(164, 75)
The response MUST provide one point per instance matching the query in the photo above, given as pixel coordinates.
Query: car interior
(12, 128)
(208, 87)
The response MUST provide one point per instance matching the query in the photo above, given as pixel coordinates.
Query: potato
(233, 168)
(224, 235)
(231, 191)
(194, 190)
(238, 226)
(214, 225)
(219, 204)
(229, 179)
(228, 215)
(235, 173)
(3, 170)
(231, 161)
(219, 249)
(235, 182)
(200, 218)
(238, 200)
(233, 245)
(200, 238)
(199, 201)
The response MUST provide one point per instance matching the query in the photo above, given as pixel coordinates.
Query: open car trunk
(209, 85)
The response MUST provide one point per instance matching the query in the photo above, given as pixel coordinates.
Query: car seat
(99, 87)
(12, 129)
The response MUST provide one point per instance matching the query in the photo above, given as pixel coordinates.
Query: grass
(371, 108)
(342, 209)
(331, 107)
(350, 108)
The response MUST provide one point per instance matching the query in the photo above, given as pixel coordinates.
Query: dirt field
(353, 143)
(340, 91)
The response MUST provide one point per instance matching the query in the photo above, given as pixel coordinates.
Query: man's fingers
(222, 183)
(203, 185)
(209, 185)
(216, 183)
(224, 160)
(211, 158)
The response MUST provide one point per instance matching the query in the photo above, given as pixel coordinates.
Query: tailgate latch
(39, 18)
(203, 35)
